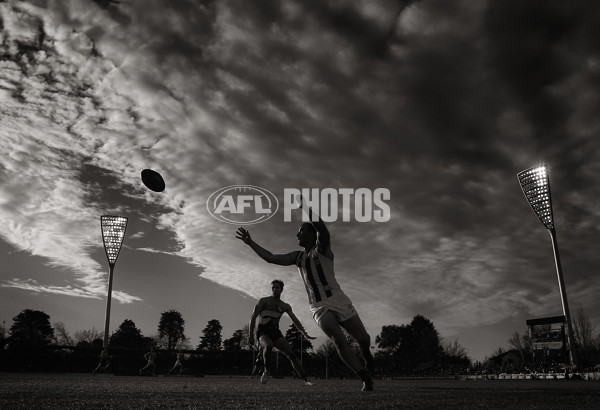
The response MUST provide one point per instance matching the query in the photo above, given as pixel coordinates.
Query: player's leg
(267, 346)
(330, 326)
(328, 322)
(284, 347)
(258, 360)
(355, 327)
(143, 370)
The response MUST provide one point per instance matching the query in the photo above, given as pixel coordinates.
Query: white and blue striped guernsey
(271, 313)
(316, 270)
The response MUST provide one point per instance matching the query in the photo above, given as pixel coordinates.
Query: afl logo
(242, 204)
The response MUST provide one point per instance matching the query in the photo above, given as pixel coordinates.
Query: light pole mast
(536, 187)
(113, 232)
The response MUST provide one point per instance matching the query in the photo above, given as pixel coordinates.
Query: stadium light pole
(113, 232)
(535, 184)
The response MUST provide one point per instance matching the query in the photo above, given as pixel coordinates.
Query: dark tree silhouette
(390, 339)
(409, 348)
(237, 341)
(211, 336)
(127, 335)
(31, 329)
(297, 341)
(171, 328)
(424, 343)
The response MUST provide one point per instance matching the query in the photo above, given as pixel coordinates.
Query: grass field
(84, 391)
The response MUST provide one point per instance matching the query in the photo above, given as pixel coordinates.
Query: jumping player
(329, 305)
(269, 310)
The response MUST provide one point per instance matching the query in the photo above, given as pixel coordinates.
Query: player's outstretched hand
(243, 235)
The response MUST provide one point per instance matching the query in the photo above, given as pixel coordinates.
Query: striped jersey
(271, 313)
(316, 270)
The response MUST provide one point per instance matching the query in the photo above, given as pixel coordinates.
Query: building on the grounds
(548, 339)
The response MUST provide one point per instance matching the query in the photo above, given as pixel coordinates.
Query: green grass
(84, 391)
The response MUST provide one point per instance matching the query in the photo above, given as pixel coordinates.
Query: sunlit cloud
(33, 286)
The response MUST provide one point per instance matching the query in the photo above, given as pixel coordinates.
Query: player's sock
(366, 379)
(265, 377)
(306, 381)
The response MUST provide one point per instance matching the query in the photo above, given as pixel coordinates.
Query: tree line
(416, 348)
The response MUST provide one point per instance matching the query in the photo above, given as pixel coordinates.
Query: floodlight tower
(536, 187)
(113, 231)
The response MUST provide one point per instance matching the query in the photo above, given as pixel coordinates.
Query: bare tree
(61, 335)
(516, 343)
(455, 349)
(184, 344)
(583, 329)
(87, 336)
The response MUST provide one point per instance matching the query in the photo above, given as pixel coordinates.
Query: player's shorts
(339, 304)
(273, 332)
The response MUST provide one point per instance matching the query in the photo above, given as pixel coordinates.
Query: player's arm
(255, 314)
(288, 310)
(285, 259)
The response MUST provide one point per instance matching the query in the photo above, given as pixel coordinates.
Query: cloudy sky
(441, 102)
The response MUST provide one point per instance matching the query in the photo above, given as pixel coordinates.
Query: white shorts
(339, 304)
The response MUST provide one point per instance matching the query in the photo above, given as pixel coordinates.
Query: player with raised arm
(270, 309)
(329, 305)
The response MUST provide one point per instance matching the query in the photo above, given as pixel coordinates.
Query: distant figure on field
(104, 362)
(151, 362)
(178, 363)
